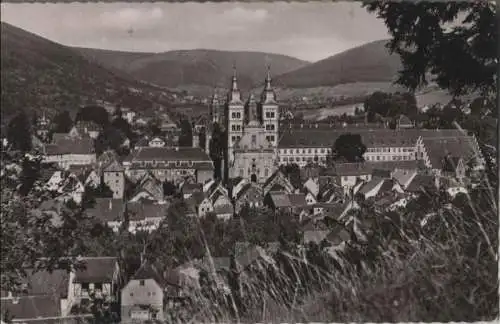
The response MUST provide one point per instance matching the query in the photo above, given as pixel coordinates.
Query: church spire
(268, 95)
(234, 85)
(234, 95)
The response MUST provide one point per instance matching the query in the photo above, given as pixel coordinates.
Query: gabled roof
(438, 148)
(114, 166)
(97, 269)
(421, 182)
(247, 187)
(191, 187)
(53, 283)
(370, 185)
(140, 211)
(71, 146)
(32, 307)
(148, 271)
(107, 209)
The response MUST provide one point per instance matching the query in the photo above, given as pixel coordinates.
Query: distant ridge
(370, 62)
(199, 67)
(41, 74)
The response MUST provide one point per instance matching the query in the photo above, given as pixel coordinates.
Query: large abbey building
(252, 131)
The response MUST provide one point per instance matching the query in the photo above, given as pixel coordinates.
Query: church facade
(251, 129)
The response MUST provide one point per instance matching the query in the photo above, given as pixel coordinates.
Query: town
(177, 163)
(244, 158)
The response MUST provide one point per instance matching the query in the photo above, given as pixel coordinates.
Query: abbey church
(252, 131)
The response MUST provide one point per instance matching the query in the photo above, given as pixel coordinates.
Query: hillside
(40, 74)
(370, 62)
(187, 68)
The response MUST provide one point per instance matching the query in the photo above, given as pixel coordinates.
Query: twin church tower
(252, 131)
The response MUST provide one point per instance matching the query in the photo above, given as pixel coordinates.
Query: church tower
(215, 109)
(269, 110)
(234, 118)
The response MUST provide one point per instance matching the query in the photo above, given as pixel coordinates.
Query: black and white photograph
(249, 162)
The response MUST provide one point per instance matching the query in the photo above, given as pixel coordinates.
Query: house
(85, 128)
(108, 211)
(294, 203)
(278, 178)
(404, 122)
(142, 298)
(199, 204)
(69, 151)
(145, 216)
(421, 183)
(33, 309)
(86, 174)
(66, 185)
(149, 188)
(187, 189)
(97, 275)
(378, 186)
(114, 178)
(52, 284)
(404, 177)
(347, 174)
(235, 185)
(250, 195)
(314, 232)
(312, 186)
(156, 142)
(454, 167)
(222, 206)
(167, 164)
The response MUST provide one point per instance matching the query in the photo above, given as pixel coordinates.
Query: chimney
(110, 204)
(301, 125)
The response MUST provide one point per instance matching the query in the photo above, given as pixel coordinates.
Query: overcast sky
(309, 31)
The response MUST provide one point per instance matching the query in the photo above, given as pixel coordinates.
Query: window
(238, 115)
(98, 286)
(233, 115)
(85, 286)
(254, 139)
(322, 151)
(141, 282)
(131, 294)
(272, 138)
(309, 151)
(238, 127)
(297, 151)
(233, 127)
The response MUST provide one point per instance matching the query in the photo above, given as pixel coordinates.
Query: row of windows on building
(303, 159)
(269, 114)
(390, 158)
(390, 149)
(235, 138)
(305, 151)
(236, 128)
(166, 164)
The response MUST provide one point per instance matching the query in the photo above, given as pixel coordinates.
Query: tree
(186, 136)
(110, 139)
(292, 172)
(348, 147)
(62, 122)
(217, 149)
(96, 114)
(390, 105)
(460, 57)
(19, 132)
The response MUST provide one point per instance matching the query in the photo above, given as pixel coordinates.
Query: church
(252, 131)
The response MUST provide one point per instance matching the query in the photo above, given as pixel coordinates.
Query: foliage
(169, 189)
(110, 138)
(91, 193)
(217, 149)
(32, 239)
(186, 136)
(19, 132)
(96, 114)
(62, 122)
(459, 57)
(292, 172)
(390, 105)
(348, 147)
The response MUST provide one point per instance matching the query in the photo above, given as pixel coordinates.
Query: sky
(310, 31)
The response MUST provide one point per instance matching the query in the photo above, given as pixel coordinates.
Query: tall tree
(217, 148)
(186, 136)
(348, 147)
(446, 42)
(97, 114)
(62, 122)
(19, 132)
